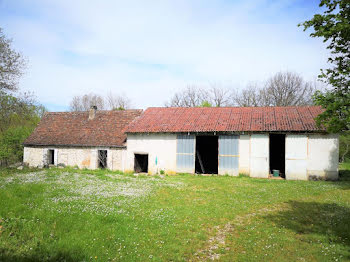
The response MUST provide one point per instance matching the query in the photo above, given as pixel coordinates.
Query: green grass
(82, 215)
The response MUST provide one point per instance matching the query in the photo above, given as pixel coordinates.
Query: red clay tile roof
(214, 119)
(74, 129)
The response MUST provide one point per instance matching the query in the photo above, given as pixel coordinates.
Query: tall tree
(288, 89)
(117, 102)
(19, 112)
(109, 102)
(84, 102)
(12, 65)
(333, 26)
(250, 96)
(191, 96)
(282, 89)
(344, 146)
(219, 96)
(195, 96)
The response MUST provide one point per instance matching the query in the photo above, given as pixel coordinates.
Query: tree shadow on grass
(344, 174)
(59, 256)
(310, 219)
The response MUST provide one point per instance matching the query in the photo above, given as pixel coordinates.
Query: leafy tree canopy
(12, 65)
(205, 104)
(334, 27)
(19, 112)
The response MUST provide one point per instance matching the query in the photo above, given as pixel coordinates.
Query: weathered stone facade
(83, 157)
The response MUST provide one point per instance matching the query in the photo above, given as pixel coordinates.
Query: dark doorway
(51, 155)
(102, 159)
(277, 153)
(141, 163)
(207, 155)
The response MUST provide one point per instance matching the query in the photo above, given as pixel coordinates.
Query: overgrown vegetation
(83, 215)
(19, 112)
(344, 147)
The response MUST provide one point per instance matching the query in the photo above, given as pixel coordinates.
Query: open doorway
(206, 155)
(141, 163)
(277, 153)
(51, 156)
(102, 159)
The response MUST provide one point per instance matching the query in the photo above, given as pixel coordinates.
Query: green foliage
(12, 64)
(334, 27)
(336, 116)
(119, 108)
(19, 112)
(344, 147)
(18, 117)
(205, 103)
(11, 140)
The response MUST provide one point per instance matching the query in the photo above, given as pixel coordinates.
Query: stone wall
(83, 157)
(33, 156)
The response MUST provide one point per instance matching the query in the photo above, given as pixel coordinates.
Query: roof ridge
(81, 112)
(217, 108)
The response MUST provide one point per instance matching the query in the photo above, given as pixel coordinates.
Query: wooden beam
(200, 161)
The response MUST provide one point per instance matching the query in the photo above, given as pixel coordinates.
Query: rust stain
(86, 162)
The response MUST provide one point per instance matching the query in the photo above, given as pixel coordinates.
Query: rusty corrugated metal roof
(226, 119)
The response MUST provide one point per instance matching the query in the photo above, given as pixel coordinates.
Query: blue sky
(148, 50)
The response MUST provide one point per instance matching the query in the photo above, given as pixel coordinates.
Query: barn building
(233, 140)
(93, 139)
(255, 141)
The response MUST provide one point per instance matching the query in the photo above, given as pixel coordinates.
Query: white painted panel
(55, 156)
(160, 146)
(244, 154)
(93, 159)
(323, 156)
(259, 155)
(296, 157)
(296, 169)
(296, 147)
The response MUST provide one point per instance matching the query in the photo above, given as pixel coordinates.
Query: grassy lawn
(80, 215)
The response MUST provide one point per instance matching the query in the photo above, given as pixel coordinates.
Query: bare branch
(83, 103)
(117, 102)
(194, 96)
(289, 89)
(283, 89)
(219, 96)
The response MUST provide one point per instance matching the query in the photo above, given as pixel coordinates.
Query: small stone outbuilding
(93, 139)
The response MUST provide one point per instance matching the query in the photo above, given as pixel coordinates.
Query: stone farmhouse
(256, 141)
(94, 139)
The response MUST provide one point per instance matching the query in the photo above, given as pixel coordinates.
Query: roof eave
(71, 145)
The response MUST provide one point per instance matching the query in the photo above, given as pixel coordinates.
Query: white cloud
(147, 49)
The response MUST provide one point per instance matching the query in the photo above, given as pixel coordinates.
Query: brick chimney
(92, 112)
